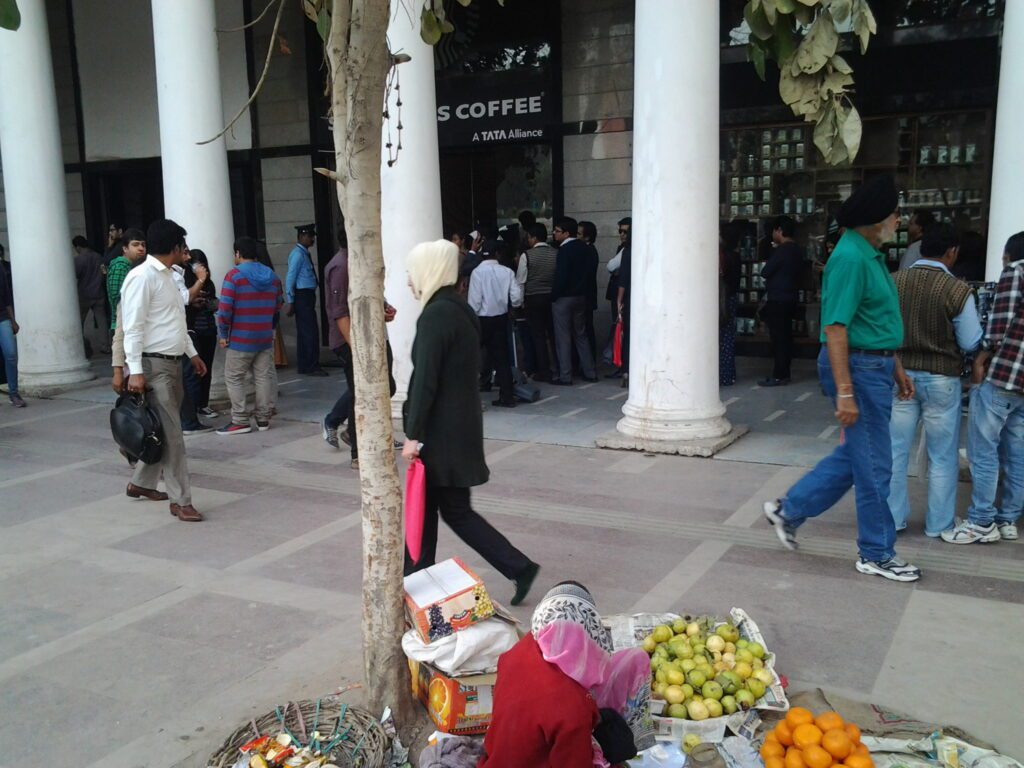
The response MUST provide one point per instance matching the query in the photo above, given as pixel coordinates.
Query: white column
(197, 192)
(673, 355)
(411, 188)
(1006, 210)
(50, 348)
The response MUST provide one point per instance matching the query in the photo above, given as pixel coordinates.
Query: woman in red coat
(562, 699)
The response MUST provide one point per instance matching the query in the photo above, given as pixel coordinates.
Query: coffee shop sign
(485, 118)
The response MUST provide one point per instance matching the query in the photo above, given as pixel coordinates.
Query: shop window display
(941, 163)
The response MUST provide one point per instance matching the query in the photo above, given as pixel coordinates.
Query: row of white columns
(673, 393)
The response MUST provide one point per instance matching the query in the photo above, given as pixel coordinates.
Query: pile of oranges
(805, 741)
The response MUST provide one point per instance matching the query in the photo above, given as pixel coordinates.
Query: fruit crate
(629, 632)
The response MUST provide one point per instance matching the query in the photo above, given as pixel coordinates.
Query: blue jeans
(937, 402)
(995, 438)
(863, 459)
(9, 349)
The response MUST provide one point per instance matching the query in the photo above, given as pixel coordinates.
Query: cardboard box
(456, 705)
(445, 598)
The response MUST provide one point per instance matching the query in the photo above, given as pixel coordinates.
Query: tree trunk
(359, 60)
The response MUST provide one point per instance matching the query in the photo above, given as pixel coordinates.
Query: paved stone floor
(130, 639)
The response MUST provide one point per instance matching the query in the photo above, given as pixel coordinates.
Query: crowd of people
(892, 355)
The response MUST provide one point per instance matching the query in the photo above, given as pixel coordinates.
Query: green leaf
(447, 27)
(840, 10)
(785, 6)
(769, 11)
(864, 24)
(804, 15)
(801, 92)
(430, 29)
(838, 63)
(784, 40)
(810, 3)
(819, 46)
(757, 22)
(465, 3)
(755, 54)
(309, 7)
(323, 24)
(10, 16)
(825, 131)
(851, 129)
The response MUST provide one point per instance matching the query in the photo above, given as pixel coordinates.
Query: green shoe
(524, 582)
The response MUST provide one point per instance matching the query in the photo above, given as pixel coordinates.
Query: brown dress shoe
(187, 514)
(138, 492)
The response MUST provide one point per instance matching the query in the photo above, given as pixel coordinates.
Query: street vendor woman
(562, 698)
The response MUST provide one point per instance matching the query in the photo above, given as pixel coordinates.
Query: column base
(50, 383)
(704, 447)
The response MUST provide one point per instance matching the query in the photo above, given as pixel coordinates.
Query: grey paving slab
(231, 626)
(48, 722)
(25, 626)
(30, 500)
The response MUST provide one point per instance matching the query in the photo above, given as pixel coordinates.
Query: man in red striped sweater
(250, 304)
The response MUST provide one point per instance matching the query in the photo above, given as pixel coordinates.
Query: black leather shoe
(773, 382)
(591, 379)
(524, 582)
(504, 403)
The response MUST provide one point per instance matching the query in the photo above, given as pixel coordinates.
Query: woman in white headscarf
(442, 416)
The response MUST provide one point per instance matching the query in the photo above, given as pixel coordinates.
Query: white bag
(474, 650)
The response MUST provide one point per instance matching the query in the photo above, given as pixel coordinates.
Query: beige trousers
(163, 378)
(237, 366)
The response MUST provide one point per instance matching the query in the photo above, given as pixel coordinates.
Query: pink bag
(415, 508)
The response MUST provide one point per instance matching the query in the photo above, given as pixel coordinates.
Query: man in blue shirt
(300, 300)
(940, 324)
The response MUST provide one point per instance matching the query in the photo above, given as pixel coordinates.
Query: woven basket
(363, 744)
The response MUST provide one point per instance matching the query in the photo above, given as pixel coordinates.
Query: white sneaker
(970, 533)
(893, 569)
(783, 528)
(1008, 531)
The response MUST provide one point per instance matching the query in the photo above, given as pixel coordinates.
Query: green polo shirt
(858, 292)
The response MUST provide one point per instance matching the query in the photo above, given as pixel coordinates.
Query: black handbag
(137, 429)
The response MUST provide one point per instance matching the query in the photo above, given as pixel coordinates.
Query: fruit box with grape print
(445, 598)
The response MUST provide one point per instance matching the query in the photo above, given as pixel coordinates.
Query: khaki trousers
(163, 378)
(237, 365)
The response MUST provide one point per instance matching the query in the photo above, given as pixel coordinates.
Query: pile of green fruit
(702, 670)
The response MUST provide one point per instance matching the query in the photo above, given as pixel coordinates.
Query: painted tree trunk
(359, 59)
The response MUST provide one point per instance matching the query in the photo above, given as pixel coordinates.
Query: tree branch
(252, 23)
(263, 77)
(332, 175)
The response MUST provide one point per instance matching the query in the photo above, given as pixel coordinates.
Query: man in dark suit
(781, 274)
(569, 301)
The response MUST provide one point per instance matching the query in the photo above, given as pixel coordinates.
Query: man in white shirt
(492, 287)
(155, 338)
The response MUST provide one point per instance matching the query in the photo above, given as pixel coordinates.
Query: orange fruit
(784, 734)
(816, 757)
(772, 749)
(837, 743)
(853, 732)
(828, 721)
(807, 734)
(774, 762)
(795, 758)
(859, 761)
(798, 716)
(860, 749)
(771, 737)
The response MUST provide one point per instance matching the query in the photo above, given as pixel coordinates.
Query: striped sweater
(250, 301)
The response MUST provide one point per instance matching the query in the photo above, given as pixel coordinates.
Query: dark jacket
(573, 267)
(781, 272)
(89, 275)
(442, 410)
(593, 262)
(6, 289)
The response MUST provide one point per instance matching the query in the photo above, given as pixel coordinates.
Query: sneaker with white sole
(198, 429)
(235, 429)
(967, 532)
(208, 411)
(784, 529)
(330, 434)
(262, 426)
(893, 569)
(1008, 531)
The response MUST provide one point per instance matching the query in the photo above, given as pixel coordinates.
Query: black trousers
(306, 330)
(494, 334)
(455, 509)
(345, 353)
(778, 316)
(542, 331)
(206, 346)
